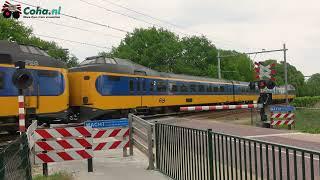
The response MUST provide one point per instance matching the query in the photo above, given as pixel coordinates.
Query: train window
(138, 84)
(45, 73)
(114, 78)
(201, 88)
(109, 61)
(174, 88)
(152, 84)
(222, 89)
(144, 85)
(209, 88)
(131, 85)
(216, 89)
(193, 88)
(101, 60)
(184, 88)
(161, 86)
(51, 83)
(1, 80)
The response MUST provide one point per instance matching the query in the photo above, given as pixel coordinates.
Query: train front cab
(47, 98)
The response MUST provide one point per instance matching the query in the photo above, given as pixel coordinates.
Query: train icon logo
(9, 10)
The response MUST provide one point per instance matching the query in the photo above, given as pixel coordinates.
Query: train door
(86, 90)
(140, 89)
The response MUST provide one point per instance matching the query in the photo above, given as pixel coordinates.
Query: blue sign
(107, 123)
(282, 108)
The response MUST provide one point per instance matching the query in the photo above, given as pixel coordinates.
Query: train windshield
(98, 60)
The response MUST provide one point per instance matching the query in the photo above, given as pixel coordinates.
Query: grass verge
(308, 120)
(55, 176)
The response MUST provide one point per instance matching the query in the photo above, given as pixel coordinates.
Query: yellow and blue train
(47, 98)
(101, 85)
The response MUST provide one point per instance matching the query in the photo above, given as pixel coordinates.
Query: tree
(164, 51)
(312, 87)
(13, 30)
(155, 48)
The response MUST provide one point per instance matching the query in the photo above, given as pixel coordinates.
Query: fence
(141, 135)
(184, 153)
(14, 160)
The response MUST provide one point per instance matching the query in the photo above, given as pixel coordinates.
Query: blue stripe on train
(53, 85)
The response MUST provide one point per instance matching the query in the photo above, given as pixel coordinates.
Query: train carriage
(103, 85)
(48, 96)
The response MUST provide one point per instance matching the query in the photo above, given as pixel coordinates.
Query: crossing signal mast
(264, 75)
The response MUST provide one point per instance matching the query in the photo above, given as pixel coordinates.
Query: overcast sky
(242, 25)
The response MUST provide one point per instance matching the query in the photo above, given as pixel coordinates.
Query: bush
(306, 101)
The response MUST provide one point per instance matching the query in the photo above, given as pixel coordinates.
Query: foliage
(55, 176)
(164, 51)
(307, 120)
(312, 87)
(13, 30)
(306, 101)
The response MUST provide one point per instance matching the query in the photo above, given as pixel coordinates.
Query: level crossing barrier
(221, 107)
(75, 143)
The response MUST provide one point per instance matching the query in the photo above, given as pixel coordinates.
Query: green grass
(308, 120)
(56, 176)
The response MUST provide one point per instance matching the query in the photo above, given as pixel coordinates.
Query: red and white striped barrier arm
(63, 156)
(282, 122)
(22, 119)
(282, 115)
(63, 144)
(222, 107)
(63, 132)
(105, 133)
(111, 145)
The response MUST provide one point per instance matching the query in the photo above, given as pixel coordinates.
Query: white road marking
(270, 135)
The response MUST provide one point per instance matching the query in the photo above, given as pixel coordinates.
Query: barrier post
(45, 171)
(90, 161)
(150, 148)
(251, 116)
(125, 152)
(130, 134)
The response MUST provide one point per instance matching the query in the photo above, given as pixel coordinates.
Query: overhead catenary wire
(143, 14)
(72, 41)
(128, 16)
(80, 19)
(169, 23)
(73, 27)
(105, 25)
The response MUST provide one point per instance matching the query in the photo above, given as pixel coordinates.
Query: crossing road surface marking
(269, 135)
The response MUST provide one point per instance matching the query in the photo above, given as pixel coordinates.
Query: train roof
(11, 52)
(125, 66)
